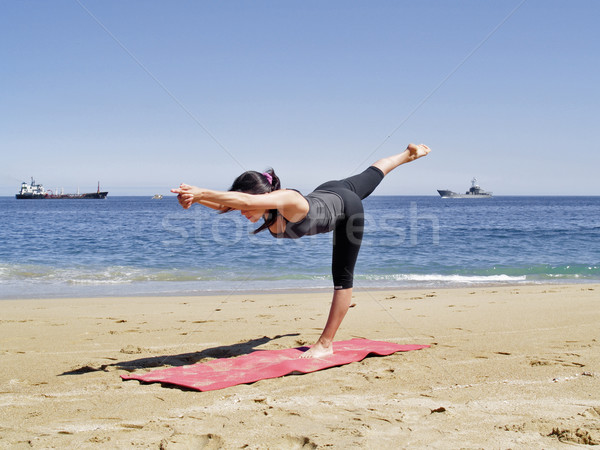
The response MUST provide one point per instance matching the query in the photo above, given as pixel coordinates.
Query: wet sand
(508, 367)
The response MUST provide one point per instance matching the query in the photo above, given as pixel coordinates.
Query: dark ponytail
(252, 182)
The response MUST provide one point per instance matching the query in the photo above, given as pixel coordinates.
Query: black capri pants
(349, 230)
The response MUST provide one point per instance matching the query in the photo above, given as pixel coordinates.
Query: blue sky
(142, 95)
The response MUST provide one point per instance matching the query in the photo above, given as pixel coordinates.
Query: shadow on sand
(184, 359)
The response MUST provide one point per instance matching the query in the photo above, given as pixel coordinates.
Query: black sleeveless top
(325, 208)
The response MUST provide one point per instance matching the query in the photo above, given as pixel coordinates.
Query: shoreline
(307, 290)
(509, 366)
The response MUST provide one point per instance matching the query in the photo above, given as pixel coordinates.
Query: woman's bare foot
(417, 151)
(319, 350)
(412, 152)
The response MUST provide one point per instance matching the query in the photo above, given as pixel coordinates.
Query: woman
(333, 206)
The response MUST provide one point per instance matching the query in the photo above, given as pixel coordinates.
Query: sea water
(142, 246)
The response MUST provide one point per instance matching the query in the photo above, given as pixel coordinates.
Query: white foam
(467, 279)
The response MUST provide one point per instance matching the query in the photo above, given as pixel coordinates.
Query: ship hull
(30, 196)
(97, 195)
(91, 195)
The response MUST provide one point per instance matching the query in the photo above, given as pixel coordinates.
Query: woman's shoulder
(294, 206)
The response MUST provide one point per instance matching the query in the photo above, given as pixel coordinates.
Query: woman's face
(253, 215)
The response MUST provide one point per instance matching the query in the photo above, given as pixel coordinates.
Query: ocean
(141, 246)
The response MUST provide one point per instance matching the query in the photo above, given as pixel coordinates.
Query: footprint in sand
(303, 442)
(186, 441)
(555, 362)
(593, 412)
(577, 436)
(539, 362)
(131, 350)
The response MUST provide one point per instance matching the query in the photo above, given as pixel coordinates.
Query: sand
(508, 367)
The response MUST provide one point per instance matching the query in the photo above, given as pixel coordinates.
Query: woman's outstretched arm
(212, 205)
(289, 203)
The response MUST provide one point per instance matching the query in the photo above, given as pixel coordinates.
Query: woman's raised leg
(412, 152)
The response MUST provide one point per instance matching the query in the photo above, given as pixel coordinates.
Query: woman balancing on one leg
(333, 206)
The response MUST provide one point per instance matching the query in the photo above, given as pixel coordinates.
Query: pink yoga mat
(264, 364)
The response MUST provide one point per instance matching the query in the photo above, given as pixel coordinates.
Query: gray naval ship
(474, 192)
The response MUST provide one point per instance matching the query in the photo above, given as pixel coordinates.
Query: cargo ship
(474, 192)
(37, 191)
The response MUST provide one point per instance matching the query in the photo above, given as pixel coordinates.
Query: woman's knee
(354, 220)
(347, 239)
(347, 242)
